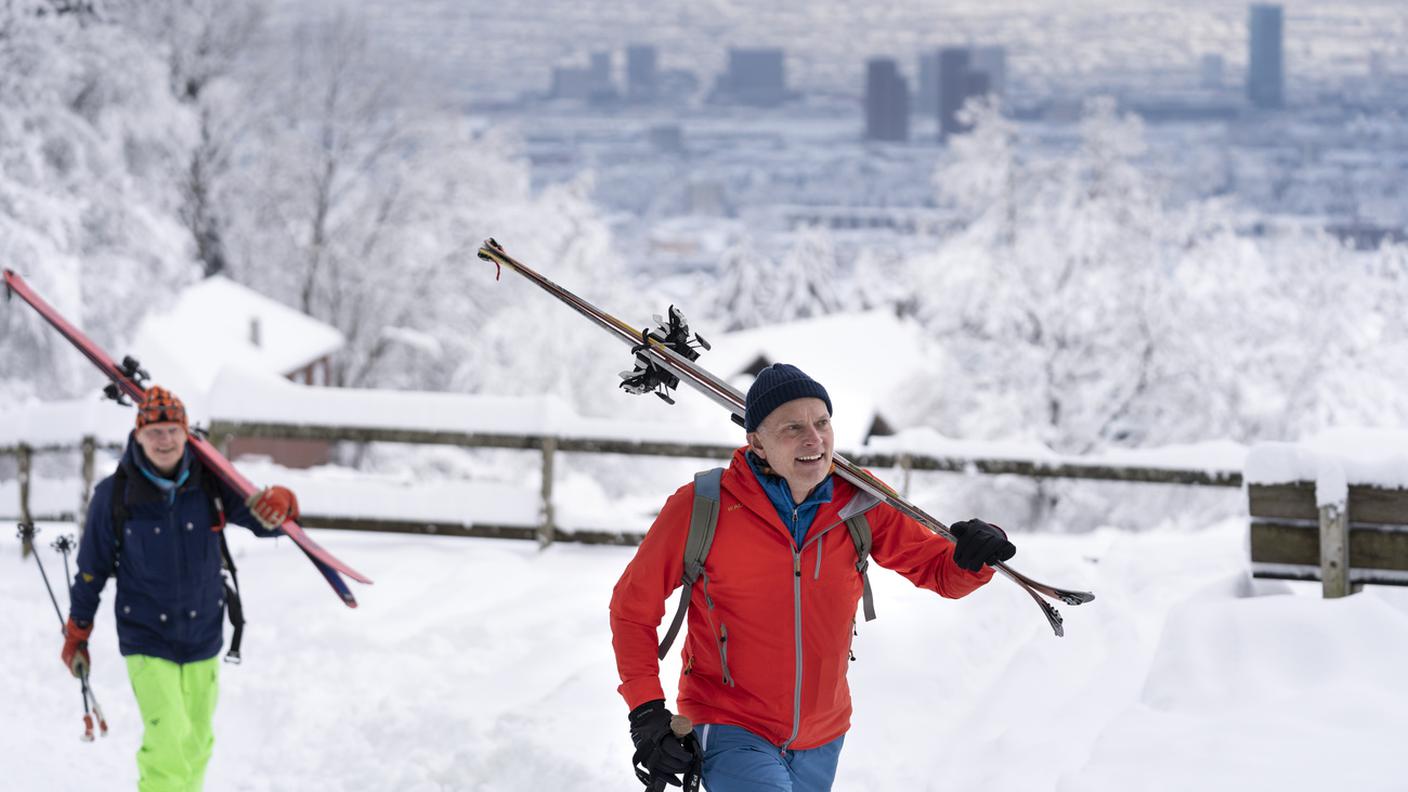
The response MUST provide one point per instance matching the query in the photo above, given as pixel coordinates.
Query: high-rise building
(754, 77)
(1210, 71)
(950, 76)
(591, 84)
(1266, 76)
(991, 61)
(570, 82)
(642, 77)
(886, 101)
(926, 95)
(953, 89)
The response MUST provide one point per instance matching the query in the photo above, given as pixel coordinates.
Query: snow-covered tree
(743, 292)
(204, 42)
(806, 281)
(1086, 310)
(364, 208)
(1049, 297)
(752, 289)
(89, 136)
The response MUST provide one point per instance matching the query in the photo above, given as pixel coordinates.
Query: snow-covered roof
(64, 423)
(245, 396)
(217, 323)
(862, 359)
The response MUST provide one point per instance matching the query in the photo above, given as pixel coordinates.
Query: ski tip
(490, 247)
(1076, 597)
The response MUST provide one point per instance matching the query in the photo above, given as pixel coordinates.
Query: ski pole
(64, 544)
(27, 533)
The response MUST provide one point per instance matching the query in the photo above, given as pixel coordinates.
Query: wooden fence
(1344, 544)
(549, 446)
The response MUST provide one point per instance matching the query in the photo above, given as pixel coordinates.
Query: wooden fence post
(1334, 549)
(547, 527)
(25, 456)
(906, 465)
(89, 447)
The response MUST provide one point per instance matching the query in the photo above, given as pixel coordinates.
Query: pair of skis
(667, 356)
(664, 358)
(127, 385)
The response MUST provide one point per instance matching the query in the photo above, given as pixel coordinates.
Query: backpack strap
(119, 511)
(854, 515)
(702, 523)
(234, 606)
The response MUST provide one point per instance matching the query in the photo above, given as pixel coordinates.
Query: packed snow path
(486, 665)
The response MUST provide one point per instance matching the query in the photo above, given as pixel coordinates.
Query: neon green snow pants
(177, 703)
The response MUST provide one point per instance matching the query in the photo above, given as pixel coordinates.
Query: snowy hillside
(486, 665)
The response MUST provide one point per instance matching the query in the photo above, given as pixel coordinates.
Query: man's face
(164, 444)
(796, 441)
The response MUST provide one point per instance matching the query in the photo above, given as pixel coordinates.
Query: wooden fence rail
(550, 446)
(1363, 539)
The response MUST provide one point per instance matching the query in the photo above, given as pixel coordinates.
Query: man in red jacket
(768, 643)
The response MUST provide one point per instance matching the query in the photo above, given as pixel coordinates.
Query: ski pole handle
(681, 726)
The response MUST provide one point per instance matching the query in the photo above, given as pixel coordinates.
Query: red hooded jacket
(769, 636)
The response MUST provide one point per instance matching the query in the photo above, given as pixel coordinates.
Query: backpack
(234, 608)
(705, 519)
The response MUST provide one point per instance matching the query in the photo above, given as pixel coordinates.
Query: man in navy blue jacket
(155, 525)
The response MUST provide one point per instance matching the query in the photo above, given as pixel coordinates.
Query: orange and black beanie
(160, 406)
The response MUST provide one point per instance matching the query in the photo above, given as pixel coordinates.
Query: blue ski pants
(737, 760)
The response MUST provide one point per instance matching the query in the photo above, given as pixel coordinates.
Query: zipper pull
(797, 564)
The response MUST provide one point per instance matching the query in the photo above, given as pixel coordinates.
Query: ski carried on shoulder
(666, 356)
(127, 385)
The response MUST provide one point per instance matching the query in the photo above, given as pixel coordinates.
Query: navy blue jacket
(170, 593)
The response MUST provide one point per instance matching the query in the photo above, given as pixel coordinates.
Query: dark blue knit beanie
(775, 386)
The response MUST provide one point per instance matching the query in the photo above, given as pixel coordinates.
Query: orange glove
(75, 653)
(273, 506)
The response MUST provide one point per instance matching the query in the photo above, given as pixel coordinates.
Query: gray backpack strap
(702, 523)
(854, 515)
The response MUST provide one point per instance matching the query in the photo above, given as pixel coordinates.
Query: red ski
(125, 383)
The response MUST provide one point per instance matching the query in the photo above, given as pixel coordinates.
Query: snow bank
(487, 665)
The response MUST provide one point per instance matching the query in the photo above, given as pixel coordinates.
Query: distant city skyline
(485, 49)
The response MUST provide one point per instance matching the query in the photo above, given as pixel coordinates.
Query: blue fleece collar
(797, 517)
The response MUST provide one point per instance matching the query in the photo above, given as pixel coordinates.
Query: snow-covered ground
(486, 665)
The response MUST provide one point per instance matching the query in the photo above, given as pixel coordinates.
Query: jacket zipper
(797, 625)
(797, 645)
(180, 626)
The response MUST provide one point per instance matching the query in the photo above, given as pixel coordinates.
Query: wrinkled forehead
(804, 410)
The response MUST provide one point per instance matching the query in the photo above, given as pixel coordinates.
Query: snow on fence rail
(249, 406)
(1334, 510)
(898, 457)
(892, 453)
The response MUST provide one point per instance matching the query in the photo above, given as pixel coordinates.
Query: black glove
(978, 544)
(660, 755)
